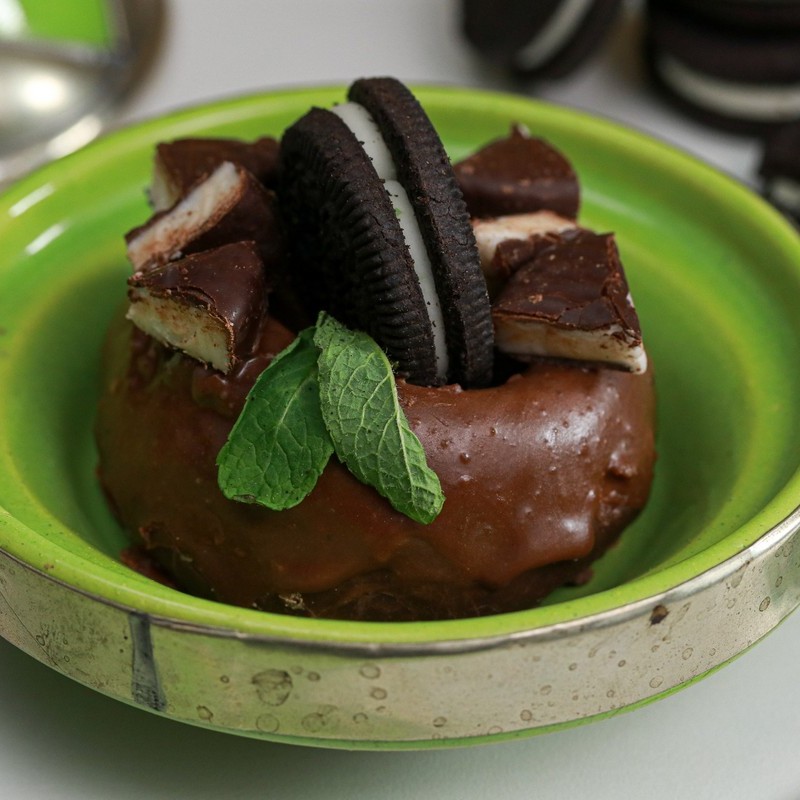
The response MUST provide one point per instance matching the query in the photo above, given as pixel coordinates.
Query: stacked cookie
(780, 169)
(734, 64)
(542, 39)
(730, 64)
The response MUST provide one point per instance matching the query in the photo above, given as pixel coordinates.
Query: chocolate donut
(420, 451)
(540, 475)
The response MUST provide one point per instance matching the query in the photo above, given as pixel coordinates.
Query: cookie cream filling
(366, 130)
(760, 102)
(559, 29)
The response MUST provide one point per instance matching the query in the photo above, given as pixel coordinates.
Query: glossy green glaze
(714, 271)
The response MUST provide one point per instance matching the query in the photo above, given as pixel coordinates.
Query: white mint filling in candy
(171, 231)
(192, 330)
(525, 338)
(759, 102)
(366, 130)
(553, 35)
(491, 231)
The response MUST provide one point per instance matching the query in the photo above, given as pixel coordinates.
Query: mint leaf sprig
(279, 445)
(331, 390)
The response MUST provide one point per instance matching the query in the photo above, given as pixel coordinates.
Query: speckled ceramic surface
(707, 570)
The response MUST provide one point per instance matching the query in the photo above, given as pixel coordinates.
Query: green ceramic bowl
(706, 571)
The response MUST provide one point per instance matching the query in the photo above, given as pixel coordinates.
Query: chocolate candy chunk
(179, 165)
(571, 300)
(230, 205)
(381, 236)
(515, 239)
(518, 174)
(208, 305)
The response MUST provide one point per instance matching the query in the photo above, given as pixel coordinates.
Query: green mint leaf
(279, 446)
(370, 432)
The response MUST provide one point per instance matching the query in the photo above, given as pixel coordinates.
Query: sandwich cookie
(780, 169)
(381, 236)
(762, 15)
(738, 79)
(544, 39)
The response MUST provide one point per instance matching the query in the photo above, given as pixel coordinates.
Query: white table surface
(733, 735)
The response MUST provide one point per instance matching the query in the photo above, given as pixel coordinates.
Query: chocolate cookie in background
(537, 38)
(762, 15)
(733, 65)
(780, 170)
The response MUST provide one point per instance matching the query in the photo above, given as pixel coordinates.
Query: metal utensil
(57, 94)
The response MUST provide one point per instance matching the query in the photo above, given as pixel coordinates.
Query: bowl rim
(177, 609)
(400, 647)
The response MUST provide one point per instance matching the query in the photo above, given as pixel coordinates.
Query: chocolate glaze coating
(576, 282)
(540, 475)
